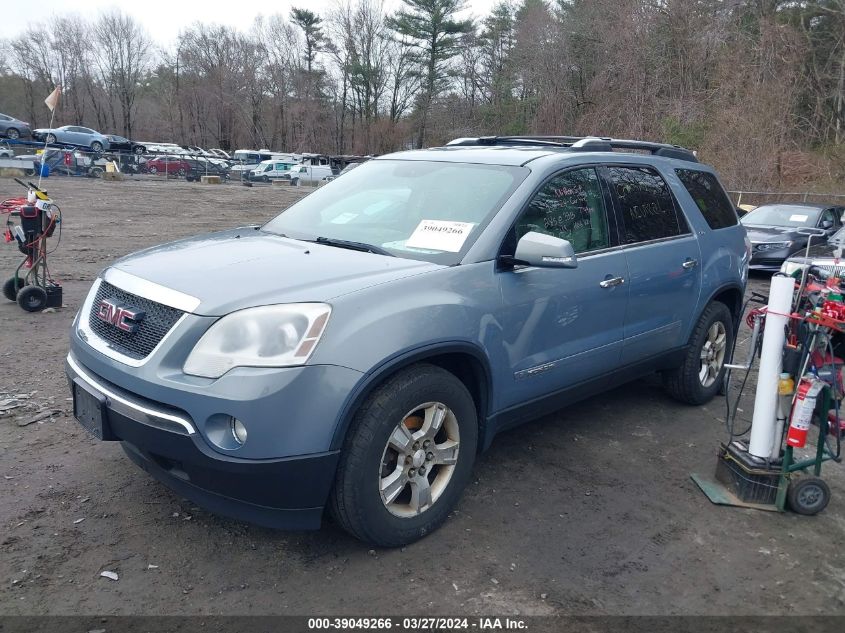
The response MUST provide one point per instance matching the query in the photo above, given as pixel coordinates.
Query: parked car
(774, 230)
(270, 170)
(220, 153)
(360, 349)
(73, 135)
(13, 128)
(123, 144)
(161, 148)
(199, 167)
(168, 165)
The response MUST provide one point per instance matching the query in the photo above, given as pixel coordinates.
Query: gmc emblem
(122, 317)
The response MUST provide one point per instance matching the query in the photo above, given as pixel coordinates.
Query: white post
(763, 423)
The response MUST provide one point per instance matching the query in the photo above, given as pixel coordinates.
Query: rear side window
(711, 199)
(646, 205)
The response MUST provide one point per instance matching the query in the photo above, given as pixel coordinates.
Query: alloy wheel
(419, 459)
(712, 354)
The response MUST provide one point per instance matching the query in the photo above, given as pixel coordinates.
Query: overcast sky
(164, 19)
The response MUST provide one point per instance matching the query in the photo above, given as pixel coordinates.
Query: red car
(168, 165)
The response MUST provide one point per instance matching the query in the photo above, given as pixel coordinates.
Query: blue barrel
(45, 170)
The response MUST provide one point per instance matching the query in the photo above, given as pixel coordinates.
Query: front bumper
(287, 493)
(771, 262)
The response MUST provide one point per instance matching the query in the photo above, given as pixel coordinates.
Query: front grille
(158, 321)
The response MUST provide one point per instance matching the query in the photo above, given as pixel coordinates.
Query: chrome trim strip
(90, 337)
(658, 240)
(151, 290)
(125, 405)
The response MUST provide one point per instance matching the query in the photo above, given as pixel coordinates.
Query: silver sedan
(73, 135)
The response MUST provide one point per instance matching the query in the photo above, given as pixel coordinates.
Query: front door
(663, 259)
(564, 326)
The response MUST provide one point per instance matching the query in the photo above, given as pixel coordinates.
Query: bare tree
(122, 51)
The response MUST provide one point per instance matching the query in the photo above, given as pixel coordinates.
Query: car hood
(758, 233)
(247, 267)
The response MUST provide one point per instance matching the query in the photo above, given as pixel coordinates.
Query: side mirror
(545, 251)
(827, 224)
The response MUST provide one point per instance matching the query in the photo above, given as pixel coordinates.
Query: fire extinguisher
(802, 411)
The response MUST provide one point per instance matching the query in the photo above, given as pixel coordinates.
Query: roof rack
(582, 144)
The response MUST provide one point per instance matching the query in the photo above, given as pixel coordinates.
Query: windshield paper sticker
(798, 218)
(441, 235)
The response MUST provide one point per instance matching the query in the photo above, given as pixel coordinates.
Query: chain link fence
(756, 198)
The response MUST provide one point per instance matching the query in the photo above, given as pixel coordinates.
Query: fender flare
(379, 373)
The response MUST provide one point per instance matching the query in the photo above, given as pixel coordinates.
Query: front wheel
(32, 298)
(13, 134)
(152, 169)
(700, 376)
(51, 138)
(407, 457)
(140, 149)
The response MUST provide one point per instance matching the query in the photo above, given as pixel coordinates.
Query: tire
(357, 501)
(265, 179)
(10, 291)
(51, 138)
(181, 171)
(152, 170)
(807, 495)
(96, 147)
(294, 182)
(32, 298)
(689, 383)
(96, 172)
(139, 149)
(13, 133)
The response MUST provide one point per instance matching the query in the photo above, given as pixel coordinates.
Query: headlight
(269, 336)
(772, 246)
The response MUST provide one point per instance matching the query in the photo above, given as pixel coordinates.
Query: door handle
(613, 281)
(690, 263)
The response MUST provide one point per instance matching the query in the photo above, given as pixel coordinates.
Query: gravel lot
(588, 511)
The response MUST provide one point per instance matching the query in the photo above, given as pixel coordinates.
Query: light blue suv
(360, 349)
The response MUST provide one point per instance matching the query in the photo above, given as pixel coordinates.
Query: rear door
(663, 259)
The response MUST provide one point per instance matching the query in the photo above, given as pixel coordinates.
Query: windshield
(424, 210)
(782, 215)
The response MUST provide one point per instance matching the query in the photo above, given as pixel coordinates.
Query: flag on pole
(53, 100)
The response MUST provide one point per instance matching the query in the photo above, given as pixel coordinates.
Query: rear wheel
(700, 376)
(152, 169)
(407, 457)
(96, 147)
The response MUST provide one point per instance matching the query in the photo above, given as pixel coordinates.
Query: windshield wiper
(355, 246)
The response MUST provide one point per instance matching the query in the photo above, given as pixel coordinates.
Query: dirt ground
(588, 511)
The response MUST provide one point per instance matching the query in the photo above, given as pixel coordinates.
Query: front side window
(710, 198)
(426, 210)
(646, 204)
(570, 206)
